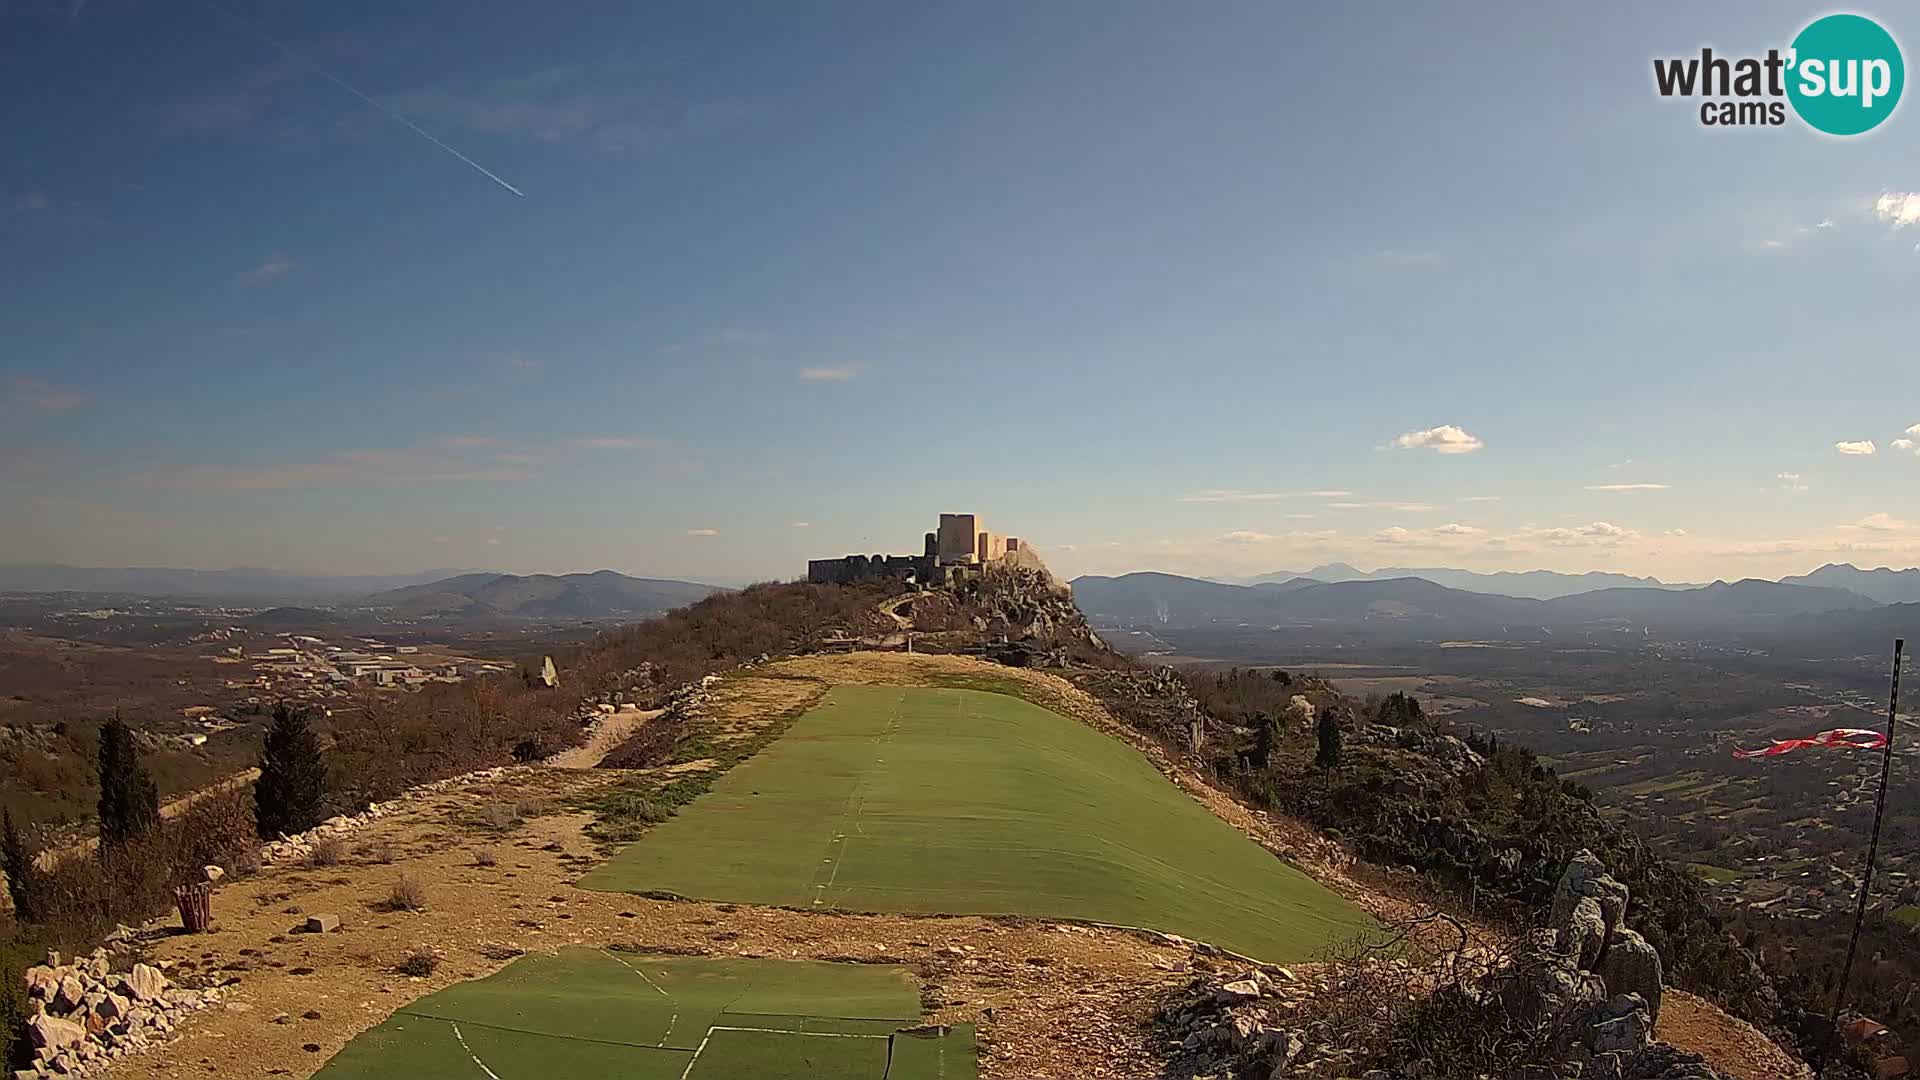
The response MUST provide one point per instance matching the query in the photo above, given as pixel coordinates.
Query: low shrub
(327, 851)
(420, 961)
(407, 895)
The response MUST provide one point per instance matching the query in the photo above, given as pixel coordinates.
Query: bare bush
(485, 857)
(381, 852)
(420, 961)
(407, 895)
(327, 851)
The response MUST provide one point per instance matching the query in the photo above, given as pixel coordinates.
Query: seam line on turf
(469, 1050)
(672, 1020)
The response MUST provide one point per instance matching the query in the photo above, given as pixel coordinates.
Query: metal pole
(1873, 848)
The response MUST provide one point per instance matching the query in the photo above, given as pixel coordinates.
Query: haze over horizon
(1150, 291)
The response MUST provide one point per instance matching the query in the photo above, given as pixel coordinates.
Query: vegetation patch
(962, 802)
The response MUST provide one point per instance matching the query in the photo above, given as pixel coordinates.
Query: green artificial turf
(964, 802)
(588, 1012)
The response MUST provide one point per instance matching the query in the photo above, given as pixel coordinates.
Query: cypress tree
(1329, 732)
(16, 861)
(290, 795)
(129, 799)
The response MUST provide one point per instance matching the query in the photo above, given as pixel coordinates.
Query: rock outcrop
(82, 1015)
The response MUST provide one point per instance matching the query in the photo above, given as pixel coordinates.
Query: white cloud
(703, 532)
(1860, 448)
(523, 363)
(616, 442)
(493, 541)
(1902, 444)
(1628, 487)
(276, 267)
(803, 524)
(1898, 208)
(1790, 481)
(1451, 535)
(42, 396)
(1403, 507)
(1246, 536)
(1254, 536)
(1445, 439)
(1235, 495)
(1881, 523)
(1481, 498)
(1676, 532)
(839, 373)
(1773, 245)
(1593, 534)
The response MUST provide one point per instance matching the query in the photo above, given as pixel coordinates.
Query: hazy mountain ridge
(1886, 585)
(1171, 600)
(238, 583)
(1522, 584)
(598, 595)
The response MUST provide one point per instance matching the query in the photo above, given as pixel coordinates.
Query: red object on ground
(1838, 738)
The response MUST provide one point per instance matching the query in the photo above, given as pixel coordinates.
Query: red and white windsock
(1838, 739)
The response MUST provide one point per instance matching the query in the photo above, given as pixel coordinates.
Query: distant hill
(601, 595)
(1530, 584)
(1171, 600)
(1712, 602)
(1882, 584)
(244, 584)
(1413, 603)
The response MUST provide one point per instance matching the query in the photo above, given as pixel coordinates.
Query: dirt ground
(1049, 999)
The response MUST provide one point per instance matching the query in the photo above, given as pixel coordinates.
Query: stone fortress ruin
(960, 548)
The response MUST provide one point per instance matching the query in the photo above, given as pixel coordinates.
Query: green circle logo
(1846, 74)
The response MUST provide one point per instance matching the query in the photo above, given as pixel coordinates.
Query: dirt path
(615, 729)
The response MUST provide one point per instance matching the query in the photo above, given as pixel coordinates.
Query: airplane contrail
(349, 88)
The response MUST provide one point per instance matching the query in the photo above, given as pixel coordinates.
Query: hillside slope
(600, 595)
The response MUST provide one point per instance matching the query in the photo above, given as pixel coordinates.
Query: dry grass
(485, 857)
(420, 961)
(327, 851)
(381, 852)
(407, 895)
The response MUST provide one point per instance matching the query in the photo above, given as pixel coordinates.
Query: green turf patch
(964, 802)
(589, 1012)
(771, 1055)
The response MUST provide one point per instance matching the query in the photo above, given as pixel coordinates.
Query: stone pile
(82, 1015)
(1232, 1026)
(300, 845)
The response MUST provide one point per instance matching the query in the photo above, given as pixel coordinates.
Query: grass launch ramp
(894, 799)
(590, 1012)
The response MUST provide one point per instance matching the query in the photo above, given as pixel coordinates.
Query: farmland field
(591, 1012)
(962, 802)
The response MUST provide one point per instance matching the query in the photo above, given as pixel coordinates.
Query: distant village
(305, 667)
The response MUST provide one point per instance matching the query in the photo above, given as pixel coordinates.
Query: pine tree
(1329, 732)
(291, 793)
(16, 861)
(1263, 728)
(129, 799)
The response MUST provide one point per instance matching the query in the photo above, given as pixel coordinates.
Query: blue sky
(1135, 281)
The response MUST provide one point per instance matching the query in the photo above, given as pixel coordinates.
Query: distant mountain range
(1882, 584)
(1530, 584)
(1415, 603)
(601, 595)
(245, 584)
